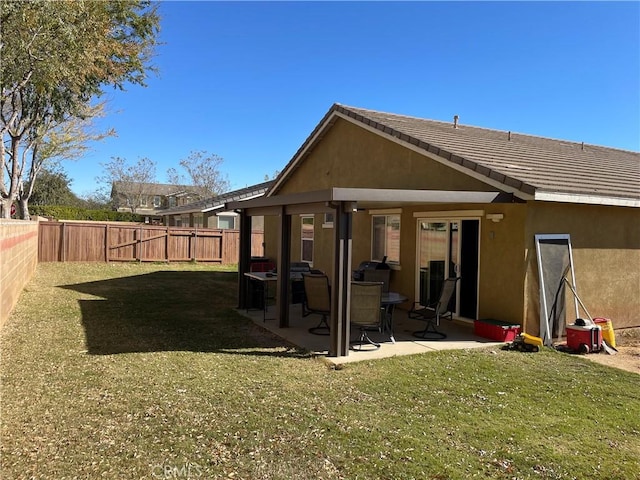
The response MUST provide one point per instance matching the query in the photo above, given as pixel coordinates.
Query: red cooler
(584, 339)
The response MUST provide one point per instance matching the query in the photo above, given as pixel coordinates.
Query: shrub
(75, 213)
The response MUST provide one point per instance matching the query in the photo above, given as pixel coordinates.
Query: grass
(147, 371)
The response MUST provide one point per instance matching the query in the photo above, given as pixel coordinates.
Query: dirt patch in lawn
(628, 356)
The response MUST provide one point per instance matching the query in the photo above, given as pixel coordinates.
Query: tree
(272, 177)
(97, 200)
(60, 140)
(203, 171)
(131, 183)
(56, 59)
(53, 188)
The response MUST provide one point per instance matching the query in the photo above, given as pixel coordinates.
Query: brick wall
(18, 260)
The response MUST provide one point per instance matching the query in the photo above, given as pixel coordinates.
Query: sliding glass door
(448, 248)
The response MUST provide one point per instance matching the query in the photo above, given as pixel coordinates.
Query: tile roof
(220, 200)
(534, 167)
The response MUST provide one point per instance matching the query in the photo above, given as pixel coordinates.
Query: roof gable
(530, 167)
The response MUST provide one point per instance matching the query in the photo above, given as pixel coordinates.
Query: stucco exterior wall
(606, 253)
(606, 240)
(349, 156)
(501, 265)
(18, 261)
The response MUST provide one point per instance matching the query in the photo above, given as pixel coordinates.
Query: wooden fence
(115, 242)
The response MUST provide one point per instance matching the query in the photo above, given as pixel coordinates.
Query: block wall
(18, 260)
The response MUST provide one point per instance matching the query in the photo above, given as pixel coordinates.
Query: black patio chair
(432, 312)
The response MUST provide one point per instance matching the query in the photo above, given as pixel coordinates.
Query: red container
(584, 339)
(496, 330)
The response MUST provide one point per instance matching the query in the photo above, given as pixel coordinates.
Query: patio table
(266, 278)
(388, 301)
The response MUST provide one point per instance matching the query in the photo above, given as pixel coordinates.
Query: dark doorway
(469, 268)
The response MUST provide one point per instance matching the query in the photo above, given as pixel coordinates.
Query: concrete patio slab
(459, 336)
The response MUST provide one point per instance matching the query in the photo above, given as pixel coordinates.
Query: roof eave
(367, 196)
(565, 197)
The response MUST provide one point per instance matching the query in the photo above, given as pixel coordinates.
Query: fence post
(166, 245)
(106, 242)
(195, 244)
(223, 240)
(64, 242)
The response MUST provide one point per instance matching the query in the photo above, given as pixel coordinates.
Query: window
(172, 202)
(385, 239)
(306, 234)
(328, 220)
(198, 220)
(226, 222)
(157, 201)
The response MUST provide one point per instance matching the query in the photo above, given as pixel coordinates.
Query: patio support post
(245, 258)
(284, 266)
(341, 282)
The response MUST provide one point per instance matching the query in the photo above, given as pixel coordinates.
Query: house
(148, 199)
(211, 212)
(442, 199)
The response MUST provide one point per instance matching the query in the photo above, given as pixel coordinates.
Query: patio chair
(317, 300)
(366, 311)
(434, 311)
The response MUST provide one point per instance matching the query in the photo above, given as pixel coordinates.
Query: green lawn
(129, 371)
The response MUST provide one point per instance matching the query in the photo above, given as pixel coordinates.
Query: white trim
(589, 199)
(472, 173)
(456, 214)
(386, 211)
(217, 207)
(222, 205)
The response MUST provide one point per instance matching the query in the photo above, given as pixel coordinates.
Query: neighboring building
(150, 198)
(211, 213)
(445, 199)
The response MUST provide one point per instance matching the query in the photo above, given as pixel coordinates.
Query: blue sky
(249, 81)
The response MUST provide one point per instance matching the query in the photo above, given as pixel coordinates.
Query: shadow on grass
(172, 311)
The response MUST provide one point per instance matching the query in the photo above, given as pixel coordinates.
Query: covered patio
(342, 203)
(459, 336)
